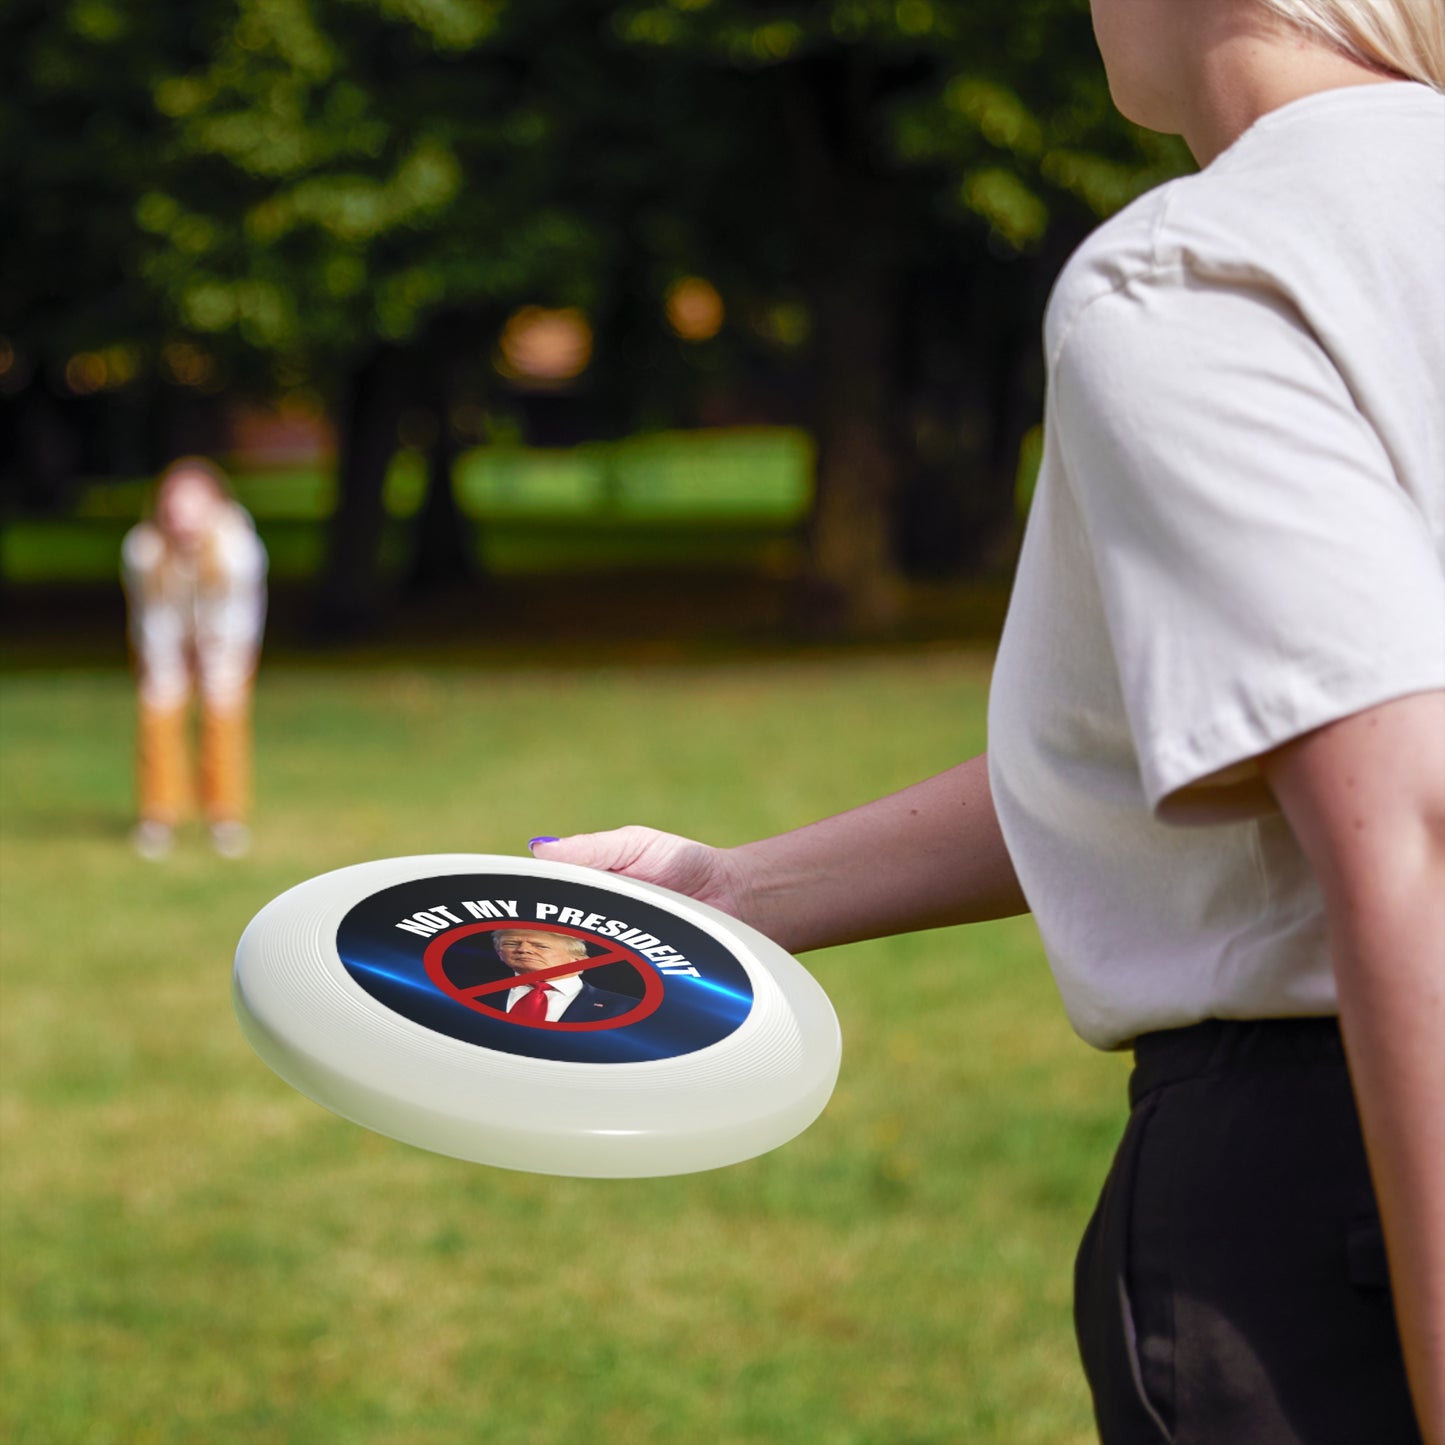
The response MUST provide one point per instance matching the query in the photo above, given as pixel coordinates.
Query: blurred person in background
(195, 583)
(1216, 767)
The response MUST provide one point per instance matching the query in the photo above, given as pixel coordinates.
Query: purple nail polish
(532, 842)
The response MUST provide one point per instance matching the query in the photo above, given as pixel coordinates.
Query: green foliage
(299, 178)
(192, 1251)
(1002, 106)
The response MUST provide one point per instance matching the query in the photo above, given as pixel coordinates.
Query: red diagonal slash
(560, 970)
(473, 997)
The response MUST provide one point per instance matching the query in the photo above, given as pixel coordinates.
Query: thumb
(611, 851)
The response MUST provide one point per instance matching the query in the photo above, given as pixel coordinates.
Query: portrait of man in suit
(561, 998)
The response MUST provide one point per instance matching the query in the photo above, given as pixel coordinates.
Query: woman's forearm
(925, 857)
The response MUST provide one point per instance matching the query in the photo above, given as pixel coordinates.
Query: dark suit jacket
(592, 1004)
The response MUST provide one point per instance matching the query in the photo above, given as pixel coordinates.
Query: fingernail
(532, 842)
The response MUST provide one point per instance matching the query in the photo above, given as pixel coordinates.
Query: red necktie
(531, 1008)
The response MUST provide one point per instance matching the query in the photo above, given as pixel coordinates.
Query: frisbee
(536, 1016)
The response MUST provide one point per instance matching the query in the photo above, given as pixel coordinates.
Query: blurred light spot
(914, 17)
(180, 95)
(544, 346)
(86, 373)
(1001, 117)
(209, 306)
(301, 403)
(695, 311)
(1103, 185)
(95, 20)
(186, 364)
(647, 27)
(469, 420)
(121, 364)
(345, 274)
(156, 211)
(776, 41)
(1014, 213)
(15, 368)
(786, 324)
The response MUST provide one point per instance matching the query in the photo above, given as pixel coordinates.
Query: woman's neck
(1243, 69)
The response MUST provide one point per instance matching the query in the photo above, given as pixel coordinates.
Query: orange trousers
(164, 777)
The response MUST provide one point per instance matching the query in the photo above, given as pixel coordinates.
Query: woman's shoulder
(142, 549)
(238, 547)
(1117, 253)
(1314, 200)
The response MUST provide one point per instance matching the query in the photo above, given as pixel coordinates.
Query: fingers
(613, 851)
(666, 859)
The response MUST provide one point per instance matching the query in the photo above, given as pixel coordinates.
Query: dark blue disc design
(637, 981)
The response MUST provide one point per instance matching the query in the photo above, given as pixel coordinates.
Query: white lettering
(423, 924)
(636, 938)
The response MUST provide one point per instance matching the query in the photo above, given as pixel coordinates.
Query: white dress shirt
(560, 993)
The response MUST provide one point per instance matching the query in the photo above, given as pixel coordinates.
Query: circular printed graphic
(536, 1016)
(624, 980)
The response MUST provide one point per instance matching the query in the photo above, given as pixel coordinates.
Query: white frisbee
(631, 1031)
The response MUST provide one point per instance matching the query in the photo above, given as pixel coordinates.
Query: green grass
(193, 1252)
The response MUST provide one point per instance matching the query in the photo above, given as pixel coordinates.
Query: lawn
(193, 1252)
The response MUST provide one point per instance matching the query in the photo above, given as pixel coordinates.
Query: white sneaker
(231, 839)
(152, 840)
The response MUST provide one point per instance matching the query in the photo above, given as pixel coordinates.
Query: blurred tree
(353, 195)
(367, 189)
(79, 139)
(919, 168)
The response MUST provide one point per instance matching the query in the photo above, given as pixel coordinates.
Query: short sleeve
(240, 551)
(140, 554)
(1263, 571)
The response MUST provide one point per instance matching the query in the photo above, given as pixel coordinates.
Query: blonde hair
(1404, 37)
(211, 572)
(193, 466)
(574, 945)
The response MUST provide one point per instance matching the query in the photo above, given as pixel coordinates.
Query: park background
(639, 402)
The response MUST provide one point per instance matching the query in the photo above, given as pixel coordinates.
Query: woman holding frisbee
(1217, 734)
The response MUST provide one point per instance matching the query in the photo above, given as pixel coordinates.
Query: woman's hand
(711, 875)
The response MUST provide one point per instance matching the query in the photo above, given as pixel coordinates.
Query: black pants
(1231, 1287)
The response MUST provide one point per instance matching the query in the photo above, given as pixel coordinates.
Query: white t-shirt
(1238, 536)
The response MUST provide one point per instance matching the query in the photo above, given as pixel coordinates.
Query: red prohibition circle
(472, 998)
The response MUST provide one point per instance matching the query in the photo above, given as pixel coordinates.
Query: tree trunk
(853, 573)
(442, 558)
(349, 600)
(851, 264)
